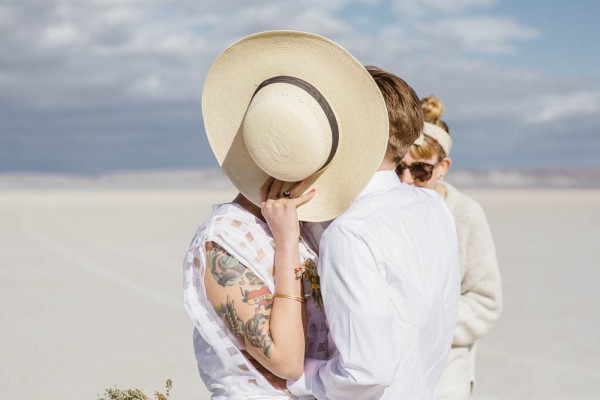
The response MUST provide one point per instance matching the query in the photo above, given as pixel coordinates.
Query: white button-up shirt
(390, 281)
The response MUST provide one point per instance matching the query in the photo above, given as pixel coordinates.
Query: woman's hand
(280, 212)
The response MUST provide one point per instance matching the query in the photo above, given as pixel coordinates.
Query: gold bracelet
(285, 296)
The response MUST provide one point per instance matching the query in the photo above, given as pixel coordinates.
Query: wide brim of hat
(347, 86)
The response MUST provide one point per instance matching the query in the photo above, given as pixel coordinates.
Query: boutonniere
(308, 271)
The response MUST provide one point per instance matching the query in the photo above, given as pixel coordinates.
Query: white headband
(438, 134)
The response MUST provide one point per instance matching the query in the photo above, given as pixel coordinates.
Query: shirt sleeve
(358, 309)
(481, 289)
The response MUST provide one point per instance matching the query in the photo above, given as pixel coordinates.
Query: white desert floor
(90, 287)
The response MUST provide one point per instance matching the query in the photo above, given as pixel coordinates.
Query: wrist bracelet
(285, 296)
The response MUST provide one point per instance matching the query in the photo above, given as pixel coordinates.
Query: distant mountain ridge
(215, 179)
(551, 178)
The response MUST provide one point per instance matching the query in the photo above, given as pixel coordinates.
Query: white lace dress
(223, 368)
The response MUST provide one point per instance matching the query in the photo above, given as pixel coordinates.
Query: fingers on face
(272, 190)
(305, 198)
(275, 190)
(296, 188)
(265, 188)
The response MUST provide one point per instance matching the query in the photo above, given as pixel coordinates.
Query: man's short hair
(404, 112)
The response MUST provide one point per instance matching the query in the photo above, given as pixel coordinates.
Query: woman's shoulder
(240, 233)
(224, 220)
(228, 218)
(463, 207)
(230, 214)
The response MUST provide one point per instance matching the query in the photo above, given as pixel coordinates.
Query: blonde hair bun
(432, 108)
(432, 111)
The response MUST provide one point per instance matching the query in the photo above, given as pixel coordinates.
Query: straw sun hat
(295, 106)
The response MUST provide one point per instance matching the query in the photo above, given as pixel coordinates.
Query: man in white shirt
(389, 276)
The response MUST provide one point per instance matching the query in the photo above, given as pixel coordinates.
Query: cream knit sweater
(481, 293)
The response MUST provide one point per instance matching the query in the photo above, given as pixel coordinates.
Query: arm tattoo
(253, 279)
(254, 330)
(231, 319)
(257, 335)
(226, 270)
(260, 298)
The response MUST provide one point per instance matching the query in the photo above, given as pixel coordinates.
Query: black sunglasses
(420, 171)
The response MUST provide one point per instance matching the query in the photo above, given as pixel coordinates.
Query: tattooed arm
(272, 332)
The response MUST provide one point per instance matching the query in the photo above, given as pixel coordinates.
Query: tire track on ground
(78, 260)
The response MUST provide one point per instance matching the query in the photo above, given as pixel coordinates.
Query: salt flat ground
(90, 287)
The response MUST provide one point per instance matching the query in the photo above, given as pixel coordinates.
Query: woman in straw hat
(481, 295)
(278, 108)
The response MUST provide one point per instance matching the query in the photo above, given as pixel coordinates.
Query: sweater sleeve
(481, 288)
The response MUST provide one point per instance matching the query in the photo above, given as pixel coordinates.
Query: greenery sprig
(135, 394)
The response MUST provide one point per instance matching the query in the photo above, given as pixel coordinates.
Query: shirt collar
(380, 181)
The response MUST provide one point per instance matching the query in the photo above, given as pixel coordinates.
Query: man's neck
(387, 165)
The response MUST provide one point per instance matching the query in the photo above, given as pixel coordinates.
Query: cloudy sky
(94, 86)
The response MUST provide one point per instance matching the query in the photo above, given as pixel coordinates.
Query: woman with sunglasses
(481, 292)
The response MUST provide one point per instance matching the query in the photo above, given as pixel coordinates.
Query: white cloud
(457, 5)
(118, 15)
(61, 35)
(152, 86)
(73, 56)
(480, 34)
(422, 7)
(567, 106)
(125, 39)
